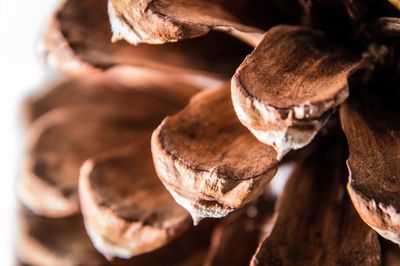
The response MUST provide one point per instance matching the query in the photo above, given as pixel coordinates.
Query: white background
(21, 71)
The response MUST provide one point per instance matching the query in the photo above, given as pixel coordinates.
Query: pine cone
(146, 137)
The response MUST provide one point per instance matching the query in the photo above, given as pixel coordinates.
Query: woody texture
(278, 119)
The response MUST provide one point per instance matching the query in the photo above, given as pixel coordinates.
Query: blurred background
(21, 72)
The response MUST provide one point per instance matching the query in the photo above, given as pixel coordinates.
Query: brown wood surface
(55, 241)
(78, 41)
(124, 89)
(64, 242)
(209, 162)
(82, 118)
(236, 237)
(126, 208)
(316, 223)
(285, 90)
(370, 121)
(161, 21)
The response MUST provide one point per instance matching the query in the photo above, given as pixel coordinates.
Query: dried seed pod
(189, 249)
(285, 90)
(211, 178)
(95, 118)
(126, 209)
(60, 241)
(316, 223)
(59, 143)
(370, 121)
(63, 241)
(63, 45)
(79, 41)
(160, 21)
(132, 88)
(241, 231)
